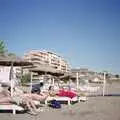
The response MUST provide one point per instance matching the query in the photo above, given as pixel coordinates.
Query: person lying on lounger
(38, 96)
(62, 92)
(22, 98)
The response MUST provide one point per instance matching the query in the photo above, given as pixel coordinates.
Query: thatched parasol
(43, 69)
(66, 75)
(6, 60)
(46, 69)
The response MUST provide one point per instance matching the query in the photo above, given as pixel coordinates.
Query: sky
(85, 32)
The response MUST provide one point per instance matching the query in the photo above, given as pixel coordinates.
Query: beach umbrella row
(43, 69)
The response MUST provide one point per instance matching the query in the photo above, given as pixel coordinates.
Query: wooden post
(77, 81)
(11, 79)
(31, 81)
(104, 84)
(53, 81)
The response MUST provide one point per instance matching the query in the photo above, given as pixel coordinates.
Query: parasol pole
(77, 81)
(31, 73)
(12, 83)
(44, 79)
(50, 80)
(53, 81)
(104, 84)
(11, 79)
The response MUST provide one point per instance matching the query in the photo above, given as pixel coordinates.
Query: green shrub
(26, 78)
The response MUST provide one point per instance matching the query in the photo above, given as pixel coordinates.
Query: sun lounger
(12, 107)
(67, 99)
(82, 98)
(62, 99)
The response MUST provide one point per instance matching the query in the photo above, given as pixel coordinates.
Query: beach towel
(67, 93)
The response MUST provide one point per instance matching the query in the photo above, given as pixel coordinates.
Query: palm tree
(3, 48)
(4, 51)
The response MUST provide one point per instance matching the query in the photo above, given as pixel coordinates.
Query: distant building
(87, 74)
(47, 57)
(80, 71)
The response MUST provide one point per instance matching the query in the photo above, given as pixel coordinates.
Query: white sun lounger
(82, 98)
(66, 99)
(12, 107)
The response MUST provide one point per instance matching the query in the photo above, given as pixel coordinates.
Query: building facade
(90, 75)
(47, 57)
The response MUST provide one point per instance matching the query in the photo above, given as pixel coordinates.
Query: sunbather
(62, 92)
(21, 98)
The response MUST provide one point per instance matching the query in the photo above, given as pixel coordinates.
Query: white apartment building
(47, 57)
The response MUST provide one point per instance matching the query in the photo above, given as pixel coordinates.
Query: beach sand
(96, 108)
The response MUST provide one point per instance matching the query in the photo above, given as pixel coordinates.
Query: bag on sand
(55, 104)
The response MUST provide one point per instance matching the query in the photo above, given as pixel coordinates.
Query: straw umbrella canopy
(42, 69)
(6, 60)
(67, 75)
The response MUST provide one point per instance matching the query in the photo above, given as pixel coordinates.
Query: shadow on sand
(108, 95)
(10, 111)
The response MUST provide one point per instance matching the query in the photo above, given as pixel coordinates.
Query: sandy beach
(96, 108)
